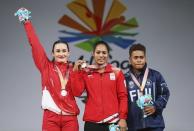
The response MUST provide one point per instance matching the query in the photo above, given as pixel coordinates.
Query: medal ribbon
(144, 80)
(62, 79)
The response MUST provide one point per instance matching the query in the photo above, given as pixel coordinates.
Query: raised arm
(38, 51)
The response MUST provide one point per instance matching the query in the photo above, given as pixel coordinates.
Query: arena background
(165, 28)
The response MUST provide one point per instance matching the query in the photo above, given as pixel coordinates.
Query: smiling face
(60, 52)
(137, 59)
(100, 54)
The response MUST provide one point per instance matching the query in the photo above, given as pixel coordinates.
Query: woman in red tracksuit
(106, 91)
(53, 75)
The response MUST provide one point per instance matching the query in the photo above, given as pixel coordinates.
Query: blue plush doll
(114, 127)
(23, 14)
(144, 100)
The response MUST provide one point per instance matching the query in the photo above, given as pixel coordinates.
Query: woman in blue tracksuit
(142, 81)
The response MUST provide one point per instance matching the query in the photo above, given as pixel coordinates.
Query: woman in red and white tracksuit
(107, 101)
(52, 74)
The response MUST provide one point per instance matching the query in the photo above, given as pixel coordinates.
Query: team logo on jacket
(148, 82)
(131, 84)
(112, 76)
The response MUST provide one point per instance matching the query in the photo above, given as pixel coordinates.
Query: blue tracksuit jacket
(157, 88)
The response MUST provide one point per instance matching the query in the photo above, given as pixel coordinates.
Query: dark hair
(101, 43)
(57, 42)
(137, 47)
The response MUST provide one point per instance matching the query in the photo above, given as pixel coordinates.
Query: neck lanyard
(63, 80)
(144, 80)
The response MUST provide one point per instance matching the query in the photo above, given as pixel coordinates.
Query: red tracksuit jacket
(106, 93)
(49, 75)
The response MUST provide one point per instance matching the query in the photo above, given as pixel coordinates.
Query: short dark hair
(101, 43)
(135, 47)
(57, 42)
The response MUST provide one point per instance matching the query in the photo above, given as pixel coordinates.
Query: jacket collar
(59, 64)
(63, 66)
(108, 68)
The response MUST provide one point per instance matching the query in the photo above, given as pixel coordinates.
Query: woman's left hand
(149, 110)
(122, 125)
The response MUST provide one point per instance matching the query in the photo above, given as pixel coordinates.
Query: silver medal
(83, 65)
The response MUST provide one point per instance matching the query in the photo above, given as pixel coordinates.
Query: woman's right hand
(77, 65)
(23, 14)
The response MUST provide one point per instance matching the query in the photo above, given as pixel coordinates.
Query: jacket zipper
(101, 75)
(143, 119)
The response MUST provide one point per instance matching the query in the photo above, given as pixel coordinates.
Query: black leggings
(90, 126)
(152, 129)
